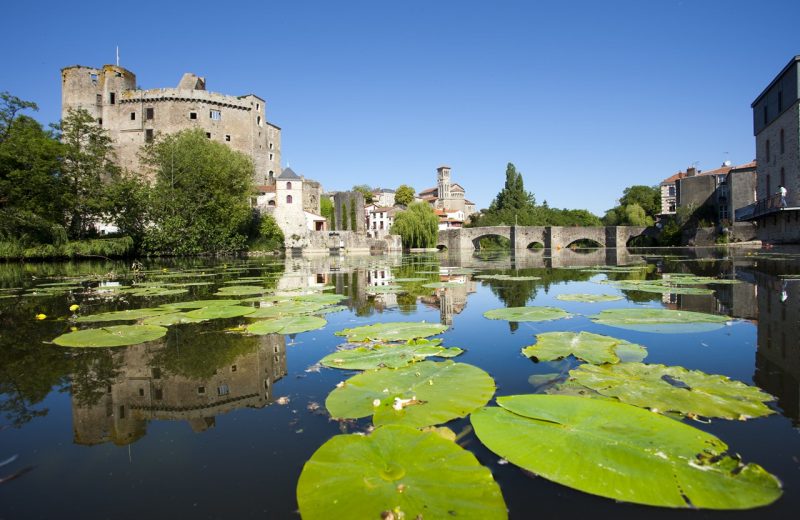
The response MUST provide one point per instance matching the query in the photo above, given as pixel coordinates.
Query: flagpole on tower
(117, 55)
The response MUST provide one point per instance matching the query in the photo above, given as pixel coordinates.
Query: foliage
(353, 222)
(129, 206)
(270, 236)
(326, 209)
(625, 453)
(404, 195)
(588, 298)
(592, 348)
(422, 394)
(659, 320)
(397, 472)
(389, 356)
(526, 314)
(114, 336)
(201, 195)
(402, 331)
(365, 190)
(638, 206)
(418, 226)
(286, 325)
(514, 205)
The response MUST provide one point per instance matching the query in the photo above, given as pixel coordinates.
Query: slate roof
(289, 175)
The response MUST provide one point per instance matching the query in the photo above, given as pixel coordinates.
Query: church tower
(443, 182)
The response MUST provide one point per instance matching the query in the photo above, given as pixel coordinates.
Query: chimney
(691, 171)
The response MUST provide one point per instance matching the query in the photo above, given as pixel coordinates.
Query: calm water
(198, 424)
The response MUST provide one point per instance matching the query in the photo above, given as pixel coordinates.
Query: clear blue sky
(584, 98)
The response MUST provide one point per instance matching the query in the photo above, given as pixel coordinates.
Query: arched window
(271, 175)
(271, 203)
(289, 185)
(288, 199)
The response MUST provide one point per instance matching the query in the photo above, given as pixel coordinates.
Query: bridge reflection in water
(549, 237)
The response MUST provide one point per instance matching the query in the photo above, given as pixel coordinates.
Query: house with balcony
(776, 126)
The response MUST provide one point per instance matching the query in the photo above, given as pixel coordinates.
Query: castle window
(201, 390)
(288, 199)
(112, 98)
(216, 115)
(148, 135)
(208, 134)
(270, 146)
(118, 74)
(192, 115)
(271, 175)
(158, 394)
(223, 390)
(133, 116)
(258, 107)
(99, 99)
(288, 185)
(100, 121)
(782, 142)
(258, 120)
(149, 113)
(227, 137)
(141, 392)
(271, 203)
(767, 149)
(93, 77)
(270, 157)
(233, 368)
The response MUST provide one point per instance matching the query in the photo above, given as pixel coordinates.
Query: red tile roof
(722, 170)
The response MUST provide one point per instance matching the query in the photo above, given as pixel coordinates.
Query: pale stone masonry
(447, 195)
(133, 116)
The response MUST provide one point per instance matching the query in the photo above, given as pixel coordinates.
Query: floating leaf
(592, 348)
(153, 291)
(126, 315)
(660, 320)
(675, 389)
(621, 452)
(166, 320)
(442, 285)
(240, 290)
(287, 308)
(397, 471)
(324, 299)
(660, 288)
(331, 309)
(215, 312)
(588, 298)
(527, 314)
(390, 356)
(384, 289)
(115, 336)
(395, 331)
(422, 394)
(286, 325)
(199, 304)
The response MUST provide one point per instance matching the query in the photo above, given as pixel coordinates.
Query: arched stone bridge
(551, 237)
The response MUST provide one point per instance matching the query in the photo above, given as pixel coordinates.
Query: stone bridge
(550, 237)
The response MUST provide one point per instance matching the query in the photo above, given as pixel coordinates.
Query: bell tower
(443, 182)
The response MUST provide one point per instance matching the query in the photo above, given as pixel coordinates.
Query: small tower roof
(289, 175)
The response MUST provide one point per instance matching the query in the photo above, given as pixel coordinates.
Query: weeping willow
(418, 226)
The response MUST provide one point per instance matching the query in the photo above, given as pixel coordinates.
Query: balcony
(762, 208)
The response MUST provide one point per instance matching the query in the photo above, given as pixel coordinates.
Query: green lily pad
(240, 290)
(199, 304)
(286, 308)
(126, 315)
(592, 348)
(390, 356)
(621, 452)
(660, 320)
(422, 394)
(331, 309)
(216, 312)
(395, 331)
(115, 336)
(286, 325)
(385, 289)
(153, 291)
(660, 288)
(409, 280)
(323, 299)
(527, 314)
(675, 389)
(588, 298)
(397, 471)
(167, 320)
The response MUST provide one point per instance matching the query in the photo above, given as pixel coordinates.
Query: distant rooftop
(289, 175)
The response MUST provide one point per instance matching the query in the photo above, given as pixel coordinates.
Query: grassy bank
(102, 247)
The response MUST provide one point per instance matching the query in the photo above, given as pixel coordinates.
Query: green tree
(129, 205)
(365, 190)
(647, 197)
(636, 216)
(87, 162)
(200, 201)
(404, 195)
(326, 209)
(418, 226)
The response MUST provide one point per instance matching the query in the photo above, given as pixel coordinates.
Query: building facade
(776, 126)
(447, 195)
(133, 116)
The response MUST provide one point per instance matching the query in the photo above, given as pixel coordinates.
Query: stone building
(134, 116)
(776, 126)
(447, 195)
(294, 203)
(348, 211)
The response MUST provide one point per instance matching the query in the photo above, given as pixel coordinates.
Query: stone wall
(780, 228)
(312, 193)
(789, 160)
(343, 203)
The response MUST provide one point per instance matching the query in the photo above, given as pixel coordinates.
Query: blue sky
(584, 97)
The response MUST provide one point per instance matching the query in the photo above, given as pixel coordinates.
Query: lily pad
(287, 308)
(115, 336)
(216, 312)
(199, 304)
(153, 291)
(621, 452)
(286, 325)
(660, 288)
(592, 348)
(588, 298)
(395, 331)
(324, 299)
(240, 290)
(422, 394)
(527, 314)
(675, 389)
(384, 289)
(390, 356)
(126, 315)
(397, 471)
(166, 320)
(660, 320)
(331, 309)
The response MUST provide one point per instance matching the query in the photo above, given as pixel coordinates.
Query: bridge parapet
(551, 237)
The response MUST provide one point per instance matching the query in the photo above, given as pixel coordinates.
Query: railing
(771, 204)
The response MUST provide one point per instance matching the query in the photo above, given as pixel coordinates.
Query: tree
(418, 226)
(636, 216)
(129, 206)
(87, 161)
(647, 197)
(404, 195)
(365, 190)
(200, 201)
(326, 210)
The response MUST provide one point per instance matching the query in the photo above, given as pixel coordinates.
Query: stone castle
(133, 117)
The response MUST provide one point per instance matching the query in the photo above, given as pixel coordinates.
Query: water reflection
(167, 381)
